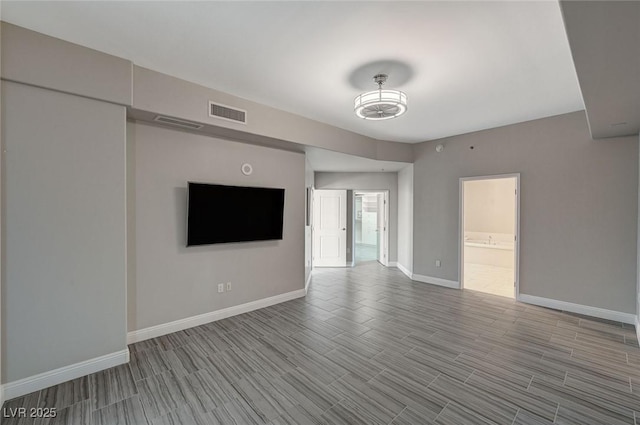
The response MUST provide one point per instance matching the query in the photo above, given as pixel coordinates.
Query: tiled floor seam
(396, 416)
(440, 413)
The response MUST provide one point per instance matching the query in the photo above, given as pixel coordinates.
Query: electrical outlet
(438, 264)
(228, 286)
(220, 287)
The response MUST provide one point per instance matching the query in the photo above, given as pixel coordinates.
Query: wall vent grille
(178, 123)
(217, 110)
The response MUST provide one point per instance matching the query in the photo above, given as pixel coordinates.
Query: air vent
(216, 110)
(178, 123)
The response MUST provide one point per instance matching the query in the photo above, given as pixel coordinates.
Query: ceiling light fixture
(380, 104)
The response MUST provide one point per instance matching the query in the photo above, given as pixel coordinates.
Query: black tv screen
(221, 214)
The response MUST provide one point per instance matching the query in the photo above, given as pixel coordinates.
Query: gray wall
(607, 73)
(175, 282)
(579, 205)
(405, 217)
(368, 181)
(64, 271)
(33, 58)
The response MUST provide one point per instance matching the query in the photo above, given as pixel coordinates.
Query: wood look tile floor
(368, 346)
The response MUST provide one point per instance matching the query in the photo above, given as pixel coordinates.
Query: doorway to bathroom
(489, 239)
(370, 227)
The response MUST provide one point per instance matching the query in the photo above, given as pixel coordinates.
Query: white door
(330, 228)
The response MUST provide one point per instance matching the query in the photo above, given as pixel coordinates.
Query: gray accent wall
(64, 275)
(405, 217)
(173, 281)
(368, 181)
(579, 206)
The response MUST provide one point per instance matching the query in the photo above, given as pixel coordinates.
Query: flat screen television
(222, 214)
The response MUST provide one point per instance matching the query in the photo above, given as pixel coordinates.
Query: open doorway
(370, 235)
(489, 234)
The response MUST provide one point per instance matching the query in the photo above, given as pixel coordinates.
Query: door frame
(516, 242)
(385, 233)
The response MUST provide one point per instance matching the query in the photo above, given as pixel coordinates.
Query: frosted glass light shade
(380, 104)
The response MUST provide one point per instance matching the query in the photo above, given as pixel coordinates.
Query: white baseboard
(201, 319)
(579, 308)
(405, 270)
(306, 283)
(57, 376)
(392, 264)
(436, 281)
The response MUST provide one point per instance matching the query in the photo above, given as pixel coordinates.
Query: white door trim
(516, 245)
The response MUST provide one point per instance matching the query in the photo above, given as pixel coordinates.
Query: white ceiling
(465, 66)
